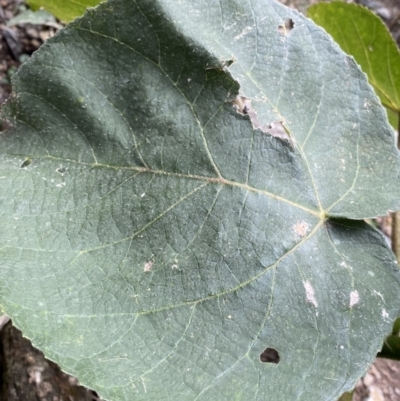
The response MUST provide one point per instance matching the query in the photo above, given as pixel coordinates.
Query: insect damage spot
(276, 128)
(286, 27)
(148, 266)
(354, 298)
(310, 295)
(26, 162)
(270, 355)
(221, 65)
(242, 104)
(301, 228)
(228, 63)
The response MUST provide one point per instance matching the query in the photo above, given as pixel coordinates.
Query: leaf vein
(207, 149)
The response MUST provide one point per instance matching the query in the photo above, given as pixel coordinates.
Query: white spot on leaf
(243, 33)
(148, 266)
(300, 228)
(310, 295)
(354, 298)
(385, 315)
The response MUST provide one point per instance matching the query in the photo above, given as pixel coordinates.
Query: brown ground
(25, 374)
(28, 376)
(17, 43)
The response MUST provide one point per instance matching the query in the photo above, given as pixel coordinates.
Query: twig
(396, 215)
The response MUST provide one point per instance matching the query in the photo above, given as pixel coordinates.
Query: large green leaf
(154, 243)
(65, 10)
(362, 34)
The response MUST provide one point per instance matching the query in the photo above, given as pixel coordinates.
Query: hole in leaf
(270, 355)
(286, 27)
(26, 162)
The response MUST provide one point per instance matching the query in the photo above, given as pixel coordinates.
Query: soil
(25, 375)
(17, 43)
(28, 376)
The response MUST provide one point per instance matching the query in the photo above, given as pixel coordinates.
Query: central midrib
(215, 180)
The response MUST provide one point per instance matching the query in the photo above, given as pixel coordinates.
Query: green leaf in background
(40, 17)
(157, 245)
(362, 34)
(391, 346)
(65, 10)
(346, 397)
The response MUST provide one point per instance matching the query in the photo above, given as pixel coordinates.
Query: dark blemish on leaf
(26, 162)
(286, 27)
(242, 104)
(222, 65)
(270, 355)
(228, 63)
(61, 170)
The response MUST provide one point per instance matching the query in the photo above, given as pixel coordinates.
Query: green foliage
(346, 397)
(154, 242)
(362, 34)
(65, 10)
(391, 346)
(40, 17)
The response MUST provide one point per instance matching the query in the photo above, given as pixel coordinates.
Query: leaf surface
(362, 34)
(155, 243)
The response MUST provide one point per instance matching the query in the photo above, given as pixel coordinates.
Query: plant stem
(396, 215)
